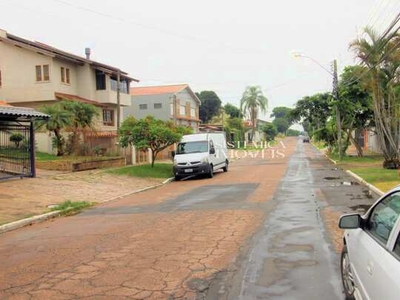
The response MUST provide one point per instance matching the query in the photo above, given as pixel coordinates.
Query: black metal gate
(16, 149)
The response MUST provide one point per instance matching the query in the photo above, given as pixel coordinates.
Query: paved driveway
(21, 198)
(159, 244)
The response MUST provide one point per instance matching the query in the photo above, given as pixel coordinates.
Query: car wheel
(177, 178)
(226, 166)
(211, 172)
(347, 275)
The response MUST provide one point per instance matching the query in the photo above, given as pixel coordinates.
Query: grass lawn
(41, 156)
(160, 170)
(370, 169)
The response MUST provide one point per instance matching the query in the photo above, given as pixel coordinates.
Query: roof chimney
(87, 52)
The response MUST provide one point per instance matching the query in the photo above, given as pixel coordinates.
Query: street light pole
(336, 97)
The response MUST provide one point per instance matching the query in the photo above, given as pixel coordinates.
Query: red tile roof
(157, 90)
(4, 103)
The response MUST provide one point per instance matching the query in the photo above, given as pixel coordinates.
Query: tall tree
(283, 112)
(59, 120)
(313, 111)
(355, 104)
(210, 105)
(150, 133)
(281, 124)
(251, 103)
(381, 55)
(232, 111)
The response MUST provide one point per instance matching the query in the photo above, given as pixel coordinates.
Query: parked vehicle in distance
(370, 260)
(201, 153)
(306, 139)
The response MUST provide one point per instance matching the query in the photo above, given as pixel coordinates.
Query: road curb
(54, 214)
(29, 221)
(362, 181)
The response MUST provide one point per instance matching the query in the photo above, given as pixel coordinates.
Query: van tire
(177, 178)
(211, 172)
(226, 166)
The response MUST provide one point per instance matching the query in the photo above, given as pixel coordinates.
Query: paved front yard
(21, 198)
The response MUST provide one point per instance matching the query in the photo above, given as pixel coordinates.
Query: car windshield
(192, 147)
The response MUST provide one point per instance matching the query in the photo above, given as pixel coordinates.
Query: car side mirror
(212, 150)
(352, 221)
(173, 154)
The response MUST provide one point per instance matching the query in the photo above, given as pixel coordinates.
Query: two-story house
(33, 74)
(177, 103)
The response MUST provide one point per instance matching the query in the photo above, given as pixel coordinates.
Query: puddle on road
(332, 178)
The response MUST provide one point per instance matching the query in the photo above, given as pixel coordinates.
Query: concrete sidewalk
(23, 198)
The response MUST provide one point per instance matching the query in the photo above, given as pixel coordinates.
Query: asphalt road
(264, 230)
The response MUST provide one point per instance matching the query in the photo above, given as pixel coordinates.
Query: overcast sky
(219, 45)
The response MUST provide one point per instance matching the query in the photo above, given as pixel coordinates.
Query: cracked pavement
(166, 243)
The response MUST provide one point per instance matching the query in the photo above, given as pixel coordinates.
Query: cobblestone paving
(165, 243)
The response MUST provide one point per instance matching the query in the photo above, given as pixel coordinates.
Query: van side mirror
(173, 153)
(352, 221)
(212, 150)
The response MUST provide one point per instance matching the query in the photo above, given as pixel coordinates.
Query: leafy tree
(17, 138)
(251, 103)
(281, 124)
(232, 111)
(150, 133)
(284, 113)
(381, 56)
(210, 105)
(355, 104)
(59, 120)
(292, 132)
(313, 111)
(270, 131)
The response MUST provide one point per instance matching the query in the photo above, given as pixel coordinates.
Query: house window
(182, 110)
(142, 106)
(192, 112)
(157, 105)
(108, 117)
(100, 80)
(65, 75)
(42, 73)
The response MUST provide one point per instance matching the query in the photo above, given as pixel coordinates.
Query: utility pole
(118, 99)
(336, 97)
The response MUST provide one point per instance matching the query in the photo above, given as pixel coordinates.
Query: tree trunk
(153, 157)
(360, 152)
(59, 137)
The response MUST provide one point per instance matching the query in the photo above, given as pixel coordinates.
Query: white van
(201, 153)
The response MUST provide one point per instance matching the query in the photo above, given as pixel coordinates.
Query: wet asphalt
(291, 256)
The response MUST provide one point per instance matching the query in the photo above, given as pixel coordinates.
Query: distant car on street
(306, 139)
(370, 260)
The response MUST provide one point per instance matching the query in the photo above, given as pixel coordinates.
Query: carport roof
(21, 113)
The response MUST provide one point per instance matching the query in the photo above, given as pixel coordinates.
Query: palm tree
(59, 119)
(382, 58)
(252, 101)
(83, 116)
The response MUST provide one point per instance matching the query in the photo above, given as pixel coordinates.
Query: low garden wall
(74, 166)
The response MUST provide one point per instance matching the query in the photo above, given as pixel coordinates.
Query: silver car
(370, 260)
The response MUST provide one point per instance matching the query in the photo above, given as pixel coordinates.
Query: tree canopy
(150, 133)
(210, 105)
(232, 111)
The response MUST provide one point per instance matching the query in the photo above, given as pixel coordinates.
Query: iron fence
(16, 150)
